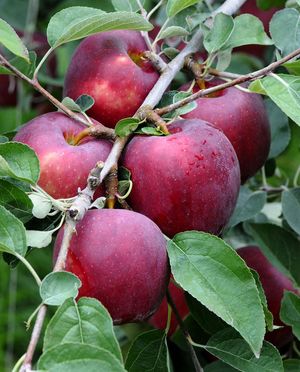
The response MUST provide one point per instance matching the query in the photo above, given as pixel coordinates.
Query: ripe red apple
(110, 67)
(160, 317)
(64, 167)
(188, 180)
(121, 258)
(243, 119)
(274, 284)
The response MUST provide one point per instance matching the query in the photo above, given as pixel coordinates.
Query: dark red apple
(274, 284)
(110, 67)
(160, 317)
(188, 180)
(243, 119)
(121, 258)
(8, 95)
(64, 167)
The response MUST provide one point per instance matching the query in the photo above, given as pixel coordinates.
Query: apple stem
(185, 332)
(81, 135)
(111, 184)
(147, 113)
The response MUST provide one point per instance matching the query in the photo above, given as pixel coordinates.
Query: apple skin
(121, 258)
(243, 119)
(188, 180)
(274, 284)
(160, 317)
(64, 167)
(109, 67)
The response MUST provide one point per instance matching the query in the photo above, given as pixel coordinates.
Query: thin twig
(241, 79)
(185, 332)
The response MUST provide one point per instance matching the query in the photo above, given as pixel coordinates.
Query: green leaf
(38, 239)
(126, 126)
(280, 129)
(173, 31)
(268, 314)
(291, 207)
(286, 39)
(56, 287)
(284, 90)
(15, 200)
(228, 346)
(220, 33)
(219, 366)
(85, 102)
(149, 352)
(186, 108)
(12, 233)
(207, 320)
(280, 247)
(41, 205)
(87, 322)
(293, 67)
(267, 4)
(126, 5)
(291, 365)
(78, 22)
(212, 272)
(19, 161)
(290, 312)
(26, 67)
(11, 41)
(176, 6)
(76, 357)
(248, 205)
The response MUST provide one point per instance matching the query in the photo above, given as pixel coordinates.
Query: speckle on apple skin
(121, 258)
(179, 183)
(108, 67)
(64, 168)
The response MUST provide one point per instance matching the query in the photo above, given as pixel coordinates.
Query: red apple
(188, 180)
(7, 90)
(110, 67)
(160, 317)
(121, 258)
(64, 167)
(243, 119)
(274, 284)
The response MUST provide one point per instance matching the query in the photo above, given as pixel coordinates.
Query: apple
(160, 317)
(274, 284)
(64, 166)
(121, 259)
(243, 119)
(7, 90)
(188, 180)
(110, 67)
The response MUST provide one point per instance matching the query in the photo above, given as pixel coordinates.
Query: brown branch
(185, 332)
(241, 79)
(147, 113)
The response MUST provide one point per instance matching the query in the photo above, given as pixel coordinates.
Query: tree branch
(241, 79)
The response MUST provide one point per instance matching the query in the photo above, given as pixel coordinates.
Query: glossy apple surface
(64, 167)
(274, 284)
(242, 117)
(160, 317)
(121, 258)
(188, 180)
(109, 67)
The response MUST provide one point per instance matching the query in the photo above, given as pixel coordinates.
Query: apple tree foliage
(228, 316)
